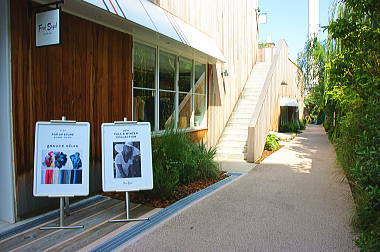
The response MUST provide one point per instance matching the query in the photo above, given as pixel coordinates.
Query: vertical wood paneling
(86, 78)
(232, 24)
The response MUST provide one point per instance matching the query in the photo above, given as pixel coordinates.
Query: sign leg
(67, 206)
(61, 216)
(128, 219)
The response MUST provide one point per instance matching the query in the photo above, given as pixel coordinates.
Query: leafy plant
(347, 95)
(207, 167)
(271, 143)
(293, 127)
(177, 160)
(302, 124)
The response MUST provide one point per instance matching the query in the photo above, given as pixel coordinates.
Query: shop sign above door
(48, 28)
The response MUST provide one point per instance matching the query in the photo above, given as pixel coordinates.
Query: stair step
(254, 90)
(232, 149)
(230, 156)
(248, 100)
(245, 108)
(233, 142)
(238, 134)
(246, 103)
(238, 125)
(230, 129)
(227, 144)
(240, 120)
(250, 96)
(232, 137)
(241, 115)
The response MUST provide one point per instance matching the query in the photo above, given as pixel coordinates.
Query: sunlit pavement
(295, 200)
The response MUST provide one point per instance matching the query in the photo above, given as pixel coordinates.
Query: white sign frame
(48, 28)
(114, 137)
(67, 138)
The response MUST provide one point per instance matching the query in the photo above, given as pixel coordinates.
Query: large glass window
(168, 90)
(144, 106)
(144, 91)
(200, 95)
(185, 92)
(167, 80)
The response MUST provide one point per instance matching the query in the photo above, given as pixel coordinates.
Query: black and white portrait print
(127, 159)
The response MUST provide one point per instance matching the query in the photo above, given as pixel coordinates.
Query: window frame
(156, 89)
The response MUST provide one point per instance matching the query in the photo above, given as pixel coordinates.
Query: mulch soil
(266, 153)
(182, 191)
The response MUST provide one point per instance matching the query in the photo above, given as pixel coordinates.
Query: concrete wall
(233, 25)
(6, 156)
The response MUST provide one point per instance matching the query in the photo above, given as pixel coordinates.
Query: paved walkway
(296, 200)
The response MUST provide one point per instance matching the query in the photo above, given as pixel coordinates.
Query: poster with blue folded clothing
(61, 159)
(126, 157)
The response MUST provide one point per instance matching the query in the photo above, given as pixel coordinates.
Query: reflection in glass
(184, 109)
(200, 78)
(144, 66)
(184, 78)
(199, 110)
(167, 71)
(143, 106)
(167, 109)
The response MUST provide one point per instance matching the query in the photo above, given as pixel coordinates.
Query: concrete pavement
(295, 200)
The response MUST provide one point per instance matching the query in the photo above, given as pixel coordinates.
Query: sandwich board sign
(126, 156)
(61, 159)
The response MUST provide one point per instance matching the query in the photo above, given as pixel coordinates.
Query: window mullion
(192, 94)
(157, 103)
(176, 87)
(133, 82)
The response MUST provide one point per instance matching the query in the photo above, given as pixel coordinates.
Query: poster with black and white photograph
(61, 159)
(127, 157)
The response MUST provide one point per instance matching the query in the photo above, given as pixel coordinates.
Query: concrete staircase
(233, 142)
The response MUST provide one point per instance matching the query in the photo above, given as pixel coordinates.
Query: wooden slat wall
(233, 25)
(87, 78)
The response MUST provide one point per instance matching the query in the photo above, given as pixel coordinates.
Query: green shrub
(302, 124)
(177, 160)
(348, 91)
(165, 180)
(271, 143)
(293, 127)
(369, 241)
(367, 219)
(207, 168)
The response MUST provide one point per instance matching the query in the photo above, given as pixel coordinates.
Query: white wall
(6, 154)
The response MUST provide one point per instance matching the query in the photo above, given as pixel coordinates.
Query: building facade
(175, 63)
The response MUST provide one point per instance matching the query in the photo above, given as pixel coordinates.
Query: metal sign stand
(63, 200)
(128, 219)
(127, 212)
(61, 215)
